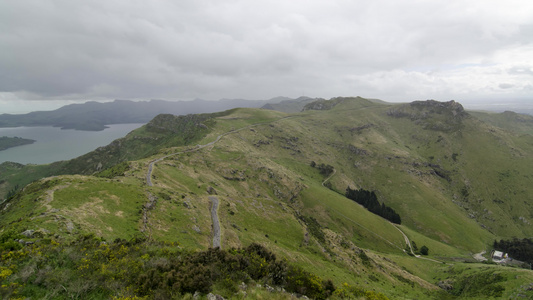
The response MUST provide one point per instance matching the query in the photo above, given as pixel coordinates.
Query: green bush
(91, 268)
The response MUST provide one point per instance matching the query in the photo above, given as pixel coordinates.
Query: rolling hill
(458, 182)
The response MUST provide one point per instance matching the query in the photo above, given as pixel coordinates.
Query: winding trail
(329, 177)
(153, 162)
(198, 147)
(408, 242)
(216, 223)
(213, 199)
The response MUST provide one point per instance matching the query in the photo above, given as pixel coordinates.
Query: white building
(498, 255)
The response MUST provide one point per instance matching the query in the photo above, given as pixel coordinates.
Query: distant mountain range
(94, 116)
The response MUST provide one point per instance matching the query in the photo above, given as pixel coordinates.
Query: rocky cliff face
(450, 107)
(321, 104)
(433, 115)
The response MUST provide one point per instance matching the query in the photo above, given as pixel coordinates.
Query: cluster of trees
(424, 250)
(369, 200)
(324, 169)
(520, 249)
(12, 191)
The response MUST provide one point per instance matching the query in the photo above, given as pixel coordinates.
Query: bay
(54, 144)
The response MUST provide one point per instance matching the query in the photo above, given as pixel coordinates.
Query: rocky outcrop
(431, 114)
(321, 104)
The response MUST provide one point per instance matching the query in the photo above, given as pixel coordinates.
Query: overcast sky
(470, 51)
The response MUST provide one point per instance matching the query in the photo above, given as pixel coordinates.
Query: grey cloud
(521, 70)
(216, 49)
(505, 85)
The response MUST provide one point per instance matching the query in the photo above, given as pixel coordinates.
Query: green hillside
(457, 182)
(508, 120)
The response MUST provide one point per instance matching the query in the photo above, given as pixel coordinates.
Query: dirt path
(329, 177)
(216, 223)
(479, 256)
(408, 242)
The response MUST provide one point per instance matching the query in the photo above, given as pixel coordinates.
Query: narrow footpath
(213, 199)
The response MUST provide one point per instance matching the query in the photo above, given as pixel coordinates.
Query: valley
(458, 183)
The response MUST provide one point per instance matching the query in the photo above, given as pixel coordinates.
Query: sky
(58, 52)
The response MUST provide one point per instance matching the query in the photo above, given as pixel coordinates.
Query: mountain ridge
(93, 116)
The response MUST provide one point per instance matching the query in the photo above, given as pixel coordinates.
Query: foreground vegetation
(91, 268)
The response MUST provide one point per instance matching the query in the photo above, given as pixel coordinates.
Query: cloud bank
(393, 50)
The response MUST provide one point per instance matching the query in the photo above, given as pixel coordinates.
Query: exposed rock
(211, 191)
(322, 104)
(212, 296)
(269, 288)
(70, 226)
(28, 233)
(356, 150)
(152, 201)
(261, 142)
(233, 174)
(360, 128)
(433, 115)
(196, 228)
(445, 285)
(187, 203)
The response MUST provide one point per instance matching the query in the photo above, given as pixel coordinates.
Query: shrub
(89, 268)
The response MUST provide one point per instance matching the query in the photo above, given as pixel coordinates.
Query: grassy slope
(263, 179)
(511, 121)
(162, 132)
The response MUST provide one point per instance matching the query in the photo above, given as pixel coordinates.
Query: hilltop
(458, 183)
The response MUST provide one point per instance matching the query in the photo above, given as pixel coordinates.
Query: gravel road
(216, 224)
